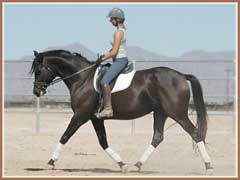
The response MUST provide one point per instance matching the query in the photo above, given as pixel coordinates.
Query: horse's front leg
(76, 121)
(98, 125)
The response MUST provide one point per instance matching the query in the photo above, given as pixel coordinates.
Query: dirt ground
(26, 152)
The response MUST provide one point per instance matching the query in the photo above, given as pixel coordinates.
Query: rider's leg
(106, 92)
(112, 73)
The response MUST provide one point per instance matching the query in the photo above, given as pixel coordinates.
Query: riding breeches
(116, 68)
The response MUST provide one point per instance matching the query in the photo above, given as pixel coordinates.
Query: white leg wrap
(203, 152)
(57, 152)
(147, 153)
(113, 155)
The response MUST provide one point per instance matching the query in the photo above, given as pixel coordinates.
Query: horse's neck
(65, 69)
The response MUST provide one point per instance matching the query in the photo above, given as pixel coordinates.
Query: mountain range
(140, 54)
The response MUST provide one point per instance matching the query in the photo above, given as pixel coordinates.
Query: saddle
(126, 74)
(121, 82)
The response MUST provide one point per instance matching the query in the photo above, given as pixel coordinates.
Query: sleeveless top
(122, 52)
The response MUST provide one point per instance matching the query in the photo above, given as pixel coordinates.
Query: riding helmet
(116, 13)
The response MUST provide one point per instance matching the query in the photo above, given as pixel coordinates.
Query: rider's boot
(107, 112)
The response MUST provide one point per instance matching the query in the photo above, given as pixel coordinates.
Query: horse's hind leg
(158, 127)
(193, 131)
(98, 125)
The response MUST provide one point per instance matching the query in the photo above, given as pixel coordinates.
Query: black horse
(160, 90)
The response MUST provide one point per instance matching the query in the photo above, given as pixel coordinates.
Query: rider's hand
(102, 56)
(99, 60)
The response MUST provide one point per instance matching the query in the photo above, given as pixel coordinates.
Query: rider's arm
(116, 44)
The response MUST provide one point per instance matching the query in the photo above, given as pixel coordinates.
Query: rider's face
(113, 21)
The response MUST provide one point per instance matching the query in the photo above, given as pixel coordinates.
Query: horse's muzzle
(39, 90)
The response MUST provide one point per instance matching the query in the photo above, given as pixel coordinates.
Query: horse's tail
(199, 105)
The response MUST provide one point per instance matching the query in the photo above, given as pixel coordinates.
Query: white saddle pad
(123, 81)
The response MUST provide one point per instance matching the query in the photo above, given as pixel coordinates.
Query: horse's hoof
(51, 163)
(209, 169)
(138, 165)
(124, 168)
(208, 166)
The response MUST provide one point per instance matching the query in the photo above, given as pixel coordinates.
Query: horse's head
(43, 74)
(50, 64)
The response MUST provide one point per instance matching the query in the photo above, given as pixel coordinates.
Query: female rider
(120, 60)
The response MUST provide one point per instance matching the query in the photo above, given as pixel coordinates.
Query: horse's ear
(35, 53)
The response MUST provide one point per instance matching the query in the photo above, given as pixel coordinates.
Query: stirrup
(105, 113)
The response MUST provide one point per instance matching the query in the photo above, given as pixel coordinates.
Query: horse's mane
(62, 53)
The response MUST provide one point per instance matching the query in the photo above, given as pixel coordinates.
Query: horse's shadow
(92, 170)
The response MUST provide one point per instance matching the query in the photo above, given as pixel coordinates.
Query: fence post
(38, 115)
(133, 127)
(228, 89)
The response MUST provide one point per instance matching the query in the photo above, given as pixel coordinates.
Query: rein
(67, 77)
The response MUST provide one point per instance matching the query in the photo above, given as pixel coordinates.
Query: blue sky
(167, 29)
